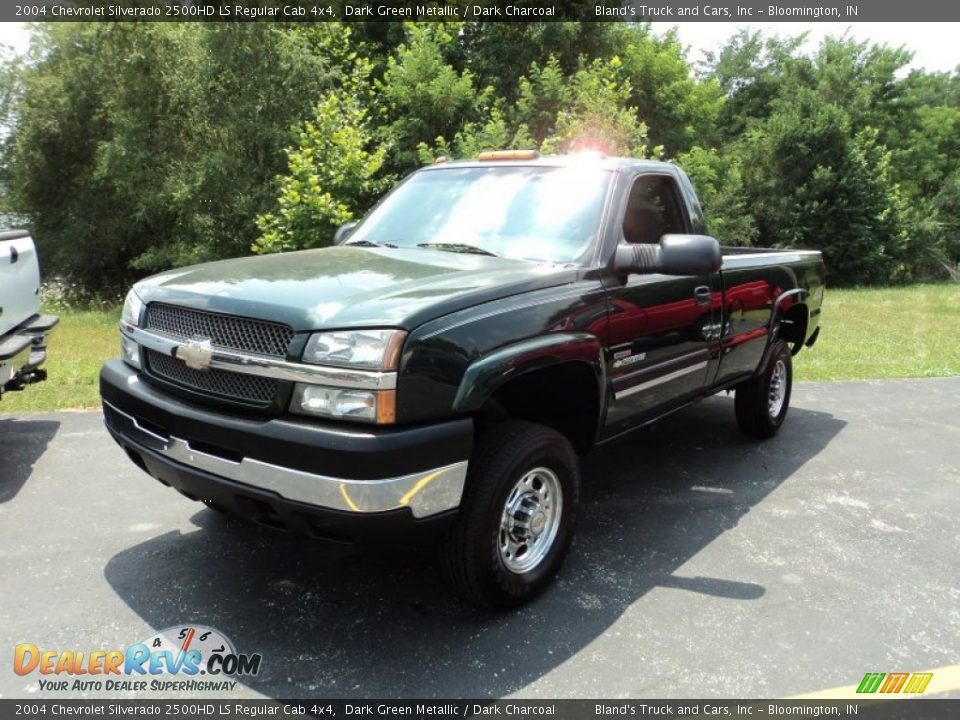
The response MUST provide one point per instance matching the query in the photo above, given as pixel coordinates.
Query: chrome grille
(227, 332)
(224, 331)
(246, 388)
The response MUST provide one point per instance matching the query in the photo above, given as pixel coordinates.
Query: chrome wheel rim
(530, 520)
(778, 389)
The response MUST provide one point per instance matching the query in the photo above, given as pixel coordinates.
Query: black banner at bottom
(875, 708)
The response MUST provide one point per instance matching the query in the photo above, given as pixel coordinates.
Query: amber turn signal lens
(386, 407)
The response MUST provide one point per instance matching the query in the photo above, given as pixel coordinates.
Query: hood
(345, 287)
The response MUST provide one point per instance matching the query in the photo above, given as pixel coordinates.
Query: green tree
(813, 185)
(141, 146)
(678, 110)
(718, 179)
(499, 54)
(556, 114)
(422, 96)
(132, 148)
(86, 140)
(597, 114)
(331, 176)
(946, 206)
(750, 72)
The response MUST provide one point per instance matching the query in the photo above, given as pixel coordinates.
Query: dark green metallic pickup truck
(435, 375)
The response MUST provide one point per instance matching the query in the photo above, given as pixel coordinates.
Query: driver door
(662, 328)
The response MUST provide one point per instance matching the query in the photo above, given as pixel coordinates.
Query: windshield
(530, 213)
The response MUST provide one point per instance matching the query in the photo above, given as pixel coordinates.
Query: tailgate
(19, 280)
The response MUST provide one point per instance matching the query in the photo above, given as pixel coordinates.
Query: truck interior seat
(643, 224)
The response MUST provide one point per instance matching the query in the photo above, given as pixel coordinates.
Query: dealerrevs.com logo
(182, 658)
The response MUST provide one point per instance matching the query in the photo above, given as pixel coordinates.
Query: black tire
(755, 416)
(472, 558)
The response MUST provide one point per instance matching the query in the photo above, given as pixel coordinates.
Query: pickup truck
(435, 374)
(23, 330)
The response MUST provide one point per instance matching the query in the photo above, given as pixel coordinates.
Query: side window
(653, 210)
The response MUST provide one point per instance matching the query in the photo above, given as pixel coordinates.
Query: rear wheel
(517, 516)
(762, 402)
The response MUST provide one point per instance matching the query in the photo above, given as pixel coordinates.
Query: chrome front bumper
(425, 493)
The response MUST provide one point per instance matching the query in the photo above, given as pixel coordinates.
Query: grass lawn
(911, 331)
(78, 347)
(877, 333)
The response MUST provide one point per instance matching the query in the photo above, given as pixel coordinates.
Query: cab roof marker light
(508, 155)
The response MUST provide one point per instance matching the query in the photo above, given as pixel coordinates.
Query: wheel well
(564, 397)
(793, 326)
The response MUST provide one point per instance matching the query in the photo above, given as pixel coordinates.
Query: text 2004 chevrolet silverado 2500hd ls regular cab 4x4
(437, 373)
(23, 330)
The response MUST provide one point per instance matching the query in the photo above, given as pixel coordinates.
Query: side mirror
(675, 255)
(343, 232)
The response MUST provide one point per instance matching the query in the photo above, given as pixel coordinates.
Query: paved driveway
(705, 565)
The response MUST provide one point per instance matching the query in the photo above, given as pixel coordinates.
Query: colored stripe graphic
(946, 683)
(918, 682)
(870, 682)
(894, 682)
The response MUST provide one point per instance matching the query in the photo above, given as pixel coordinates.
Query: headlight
(132, 307)
(368, 349)
(377, 406)
(130, 315)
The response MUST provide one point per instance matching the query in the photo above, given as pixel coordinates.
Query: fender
(487, 374)
(800, 294)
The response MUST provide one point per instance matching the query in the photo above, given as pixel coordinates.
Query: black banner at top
(673, 11)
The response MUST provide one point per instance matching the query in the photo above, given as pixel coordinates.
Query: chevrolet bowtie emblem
(195, 354)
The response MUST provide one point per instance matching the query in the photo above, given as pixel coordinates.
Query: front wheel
(517, 516)
(762, 402)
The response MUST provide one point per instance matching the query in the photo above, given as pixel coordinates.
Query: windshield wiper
(458, 247)
(369, 243)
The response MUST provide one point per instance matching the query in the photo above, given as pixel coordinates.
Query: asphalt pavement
(705, 565)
